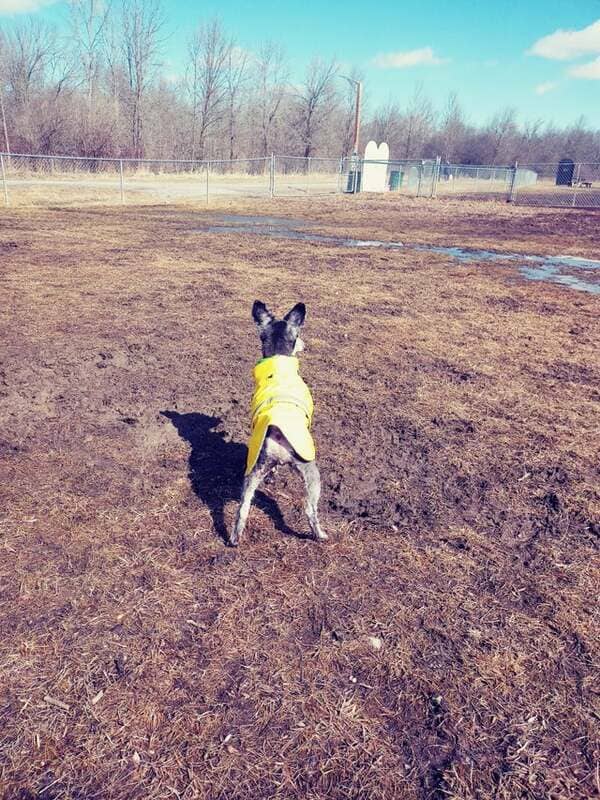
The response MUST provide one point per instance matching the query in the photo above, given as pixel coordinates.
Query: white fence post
(436, 176)
(575, 184)
(207, 180)
(513, 183)
(121, 180)
(3, 171)
(272, 176)
(420, 179)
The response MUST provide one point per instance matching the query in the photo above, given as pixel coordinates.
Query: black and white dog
(281, 415)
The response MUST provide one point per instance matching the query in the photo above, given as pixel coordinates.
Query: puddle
(551, 272)
(548, 268)
(275, 231)
(553, 269)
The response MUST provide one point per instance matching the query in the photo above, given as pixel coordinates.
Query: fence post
(357, 167)
(575, 184)
(341, 175)
(436, 176)
(121, 180)
(513, 183)
(272, 176)
(307, 175)
(3, 171)
(207, 172)
(420, 179)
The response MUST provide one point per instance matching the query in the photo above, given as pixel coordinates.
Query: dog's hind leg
(251, 484)
(312, 480)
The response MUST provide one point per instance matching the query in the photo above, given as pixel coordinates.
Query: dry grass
(456, 421)
(76, 189)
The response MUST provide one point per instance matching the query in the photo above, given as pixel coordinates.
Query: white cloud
(408, 58)
(544, 88)
(591, 70)
(567, 45)
(23, 6)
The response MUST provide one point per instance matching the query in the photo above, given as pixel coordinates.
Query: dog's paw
(321, 537)
(233, 541)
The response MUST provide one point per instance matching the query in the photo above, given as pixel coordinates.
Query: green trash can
(350, 187)
(396, 177)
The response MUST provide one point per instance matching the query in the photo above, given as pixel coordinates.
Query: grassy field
(28, 188)
(443, 643)
(81, 185)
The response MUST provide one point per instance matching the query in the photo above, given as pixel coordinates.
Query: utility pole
(358, 101)
(355, 146)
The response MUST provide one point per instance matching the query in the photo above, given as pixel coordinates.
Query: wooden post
(357, 116)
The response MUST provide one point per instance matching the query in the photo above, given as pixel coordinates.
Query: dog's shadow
(216, 469)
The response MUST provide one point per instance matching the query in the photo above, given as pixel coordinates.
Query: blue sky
(540, 56)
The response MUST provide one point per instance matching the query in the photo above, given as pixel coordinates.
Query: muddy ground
(444, 642)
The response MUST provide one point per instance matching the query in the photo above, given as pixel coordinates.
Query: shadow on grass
(216, 469)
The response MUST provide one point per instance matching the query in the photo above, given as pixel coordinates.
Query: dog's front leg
(251, 484)
(312, 481)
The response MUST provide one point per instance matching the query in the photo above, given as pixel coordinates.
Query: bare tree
(501, 132)
(27, 48)
(453, 129)
(387, 126)
(236, 74)
(315, 102)
(209, 52)
(417, 123)
(35, 72)
(271, 82)
(580, 143)
(3, 48)
(142, 24)
(88, 22)
(528, 140)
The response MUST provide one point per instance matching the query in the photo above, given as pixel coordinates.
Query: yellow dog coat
(280, 398)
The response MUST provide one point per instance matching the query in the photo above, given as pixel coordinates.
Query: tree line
(102, 89)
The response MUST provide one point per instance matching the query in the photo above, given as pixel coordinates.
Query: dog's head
(279, 337)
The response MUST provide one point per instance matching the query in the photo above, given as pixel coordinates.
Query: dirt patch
(455, 421)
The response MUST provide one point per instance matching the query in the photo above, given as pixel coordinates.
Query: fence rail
(42, 179)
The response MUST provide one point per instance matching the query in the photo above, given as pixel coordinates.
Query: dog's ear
(261, 314)
(296, 316)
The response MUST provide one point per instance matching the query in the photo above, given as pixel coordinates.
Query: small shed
(564, 173)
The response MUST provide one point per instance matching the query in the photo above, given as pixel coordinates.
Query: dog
(282, 410)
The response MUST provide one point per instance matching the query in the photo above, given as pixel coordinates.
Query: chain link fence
(304, 177)
(563, 185)
(474, 182)
(44, 179)
(32, 179)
